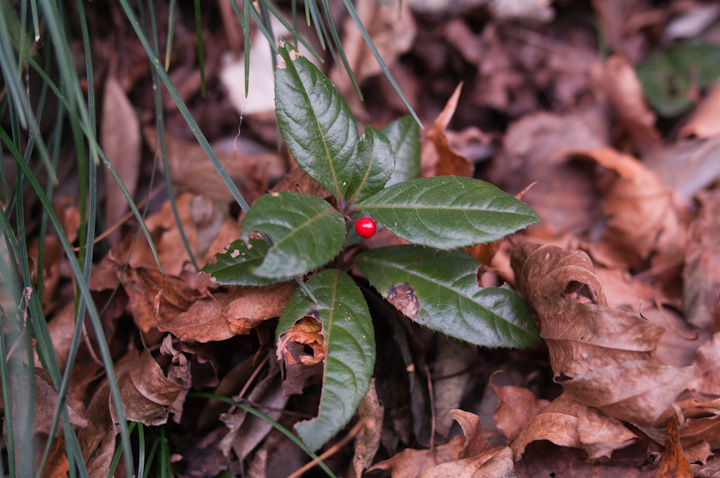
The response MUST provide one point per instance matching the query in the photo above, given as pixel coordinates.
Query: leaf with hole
(315, 122)
(448, 212)
(306, 232)
(349, 339)
(438, 289)
(235, 266)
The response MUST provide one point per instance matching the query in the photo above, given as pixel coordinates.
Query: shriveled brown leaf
(299, 365)
(516, 407)
(441, 160)
(147, 395)
(153, 295)
(618, 82)
(46, 399)
(686, 167)
(367, 441)
(703, 121)
(569, 423)
(120, 140)
(475, 437)
(701, 275)
(597, 353)
(146, 392)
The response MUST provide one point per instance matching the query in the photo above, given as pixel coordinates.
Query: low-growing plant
(372, 181)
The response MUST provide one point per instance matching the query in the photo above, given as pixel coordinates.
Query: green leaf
(438, 289)
(374, 163)
(307, 233)
(350, 339)
(235, 266)
(404, 136)
(448, 212)
(670, 77)
(315, 122)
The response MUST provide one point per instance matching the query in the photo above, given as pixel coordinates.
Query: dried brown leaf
(569, 423)
(443, 161)
(601, 355)
(516, 407)
(494, 463)
(618, 82)
(392, 29)
(673, 463)
(120, 140)
(367, 441)
(411, 463)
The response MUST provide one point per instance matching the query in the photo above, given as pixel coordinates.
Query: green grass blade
(160, 132)
(291, 29)
(91, 139)
(36, 310)
(182, 107)
(17, 95)
(356, 18)
(340, 49)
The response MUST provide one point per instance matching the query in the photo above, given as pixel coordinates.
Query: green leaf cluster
(374, 174)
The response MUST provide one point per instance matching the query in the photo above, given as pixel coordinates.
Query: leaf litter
(621, 272)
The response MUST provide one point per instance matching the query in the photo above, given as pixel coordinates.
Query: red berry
(365, 227)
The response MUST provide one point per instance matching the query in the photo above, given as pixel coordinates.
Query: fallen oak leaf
(601, 355)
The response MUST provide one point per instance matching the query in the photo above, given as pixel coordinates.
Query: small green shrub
(373, 175)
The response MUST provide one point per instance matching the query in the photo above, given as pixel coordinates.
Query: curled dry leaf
(569, 423)
(442, 160)
(464, 455)
(307, 331)
(597, 353)
(147, 395)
